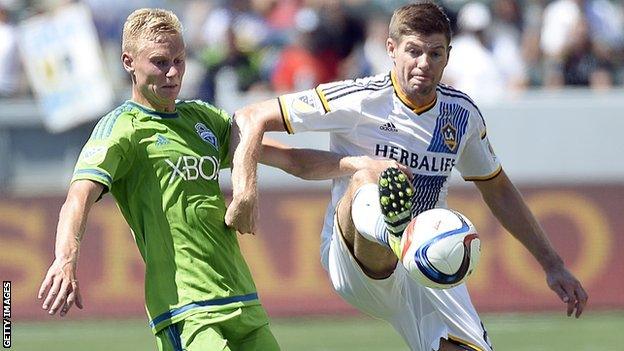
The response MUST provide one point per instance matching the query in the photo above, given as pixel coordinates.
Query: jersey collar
(405, 99)
(152, 112)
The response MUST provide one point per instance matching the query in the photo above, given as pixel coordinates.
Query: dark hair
(423, 17)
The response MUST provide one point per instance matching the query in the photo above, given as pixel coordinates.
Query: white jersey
(372, 116)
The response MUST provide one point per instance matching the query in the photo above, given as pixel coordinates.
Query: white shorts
(421, 315)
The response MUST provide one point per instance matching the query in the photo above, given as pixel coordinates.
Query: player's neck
(419, 102)
(156, 106)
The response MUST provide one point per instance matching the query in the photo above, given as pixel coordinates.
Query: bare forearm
(245, 159)
(321, 165)
(73, 218)
(249, 126)
(70, 229)
(309, 164)
(507, 205)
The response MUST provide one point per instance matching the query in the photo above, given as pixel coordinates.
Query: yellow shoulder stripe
(321, 96)
(465, 343)
(485, 177)
(285, 116)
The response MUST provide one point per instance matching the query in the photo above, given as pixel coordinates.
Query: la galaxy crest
(449, 135)
(207, 135)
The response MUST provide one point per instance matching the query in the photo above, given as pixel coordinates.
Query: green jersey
(162, 169)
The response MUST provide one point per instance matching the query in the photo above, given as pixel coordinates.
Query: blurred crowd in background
(243, 47)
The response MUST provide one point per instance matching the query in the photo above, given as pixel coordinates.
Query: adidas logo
(161, 140)
(389, 127)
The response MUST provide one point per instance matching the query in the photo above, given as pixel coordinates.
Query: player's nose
(423, 62)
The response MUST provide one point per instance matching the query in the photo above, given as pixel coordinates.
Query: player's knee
(362, 177)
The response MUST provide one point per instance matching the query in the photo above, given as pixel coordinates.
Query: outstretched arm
(314, 164)
(507, 205)
(60, 287)
(250, 124)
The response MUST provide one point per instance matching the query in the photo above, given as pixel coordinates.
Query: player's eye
(414, 52)
(160, 62)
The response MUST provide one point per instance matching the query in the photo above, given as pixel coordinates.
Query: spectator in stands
(232, 35)
(483, 81)
(298, 66)
(582, 62)
(505, 41)
(573, 25)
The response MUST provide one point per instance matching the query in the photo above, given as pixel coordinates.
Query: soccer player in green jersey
(160, 159)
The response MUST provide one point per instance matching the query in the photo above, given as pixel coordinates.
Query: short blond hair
(148, 24)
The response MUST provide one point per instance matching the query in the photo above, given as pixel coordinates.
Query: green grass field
(513, 332)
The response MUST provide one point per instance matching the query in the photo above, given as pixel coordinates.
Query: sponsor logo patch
(304, 104)
(161, 140)
(389, 127)
(449, 134)
(93, 155)
(207, 135)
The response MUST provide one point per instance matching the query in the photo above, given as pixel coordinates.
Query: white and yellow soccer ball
(440, 248)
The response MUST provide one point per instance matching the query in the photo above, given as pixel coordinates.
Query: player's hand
(60, 287)
(242, 214)
(569, 289)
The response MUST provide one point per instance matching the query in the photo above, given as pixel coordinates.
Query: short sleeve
(478, 160)
(309, 110)
(225, 129)
(108, 154)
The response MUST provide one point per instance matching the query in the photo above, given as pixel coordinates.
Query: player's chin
(421, 89)
(170, 93)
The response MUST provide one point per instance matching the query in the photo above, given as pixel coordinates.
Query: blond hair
(148, 24)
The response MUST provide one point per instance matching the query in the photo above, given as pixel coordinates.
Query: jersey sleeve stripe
(351, 86)
(97, 132)
(463, 343)
(355, 85)
(95, 175)
(486, 177)
(324, 101)
(285, 116)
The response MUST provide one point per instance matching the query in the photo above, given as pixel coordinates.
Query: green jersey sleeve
(226, 128)
(108, 154)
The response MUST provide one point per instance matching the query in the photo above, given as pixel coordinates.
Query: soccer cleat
(395, 198)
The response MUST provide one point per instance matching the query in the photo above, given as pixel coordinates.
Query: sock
(366, 215)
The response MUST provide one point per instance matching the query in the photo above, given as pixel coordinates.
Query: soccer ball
(440, 248)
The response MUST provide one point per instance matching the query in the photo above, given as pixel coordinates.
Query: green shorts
(241, 329)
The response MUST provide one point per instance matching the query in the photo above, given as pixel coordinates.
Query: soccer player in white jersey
(409, 117)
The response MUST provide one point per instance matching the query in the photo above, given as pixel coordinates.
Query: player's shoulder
(452, 96)
(119, 119)
(356, 89)
(198, 107)
(195, 104)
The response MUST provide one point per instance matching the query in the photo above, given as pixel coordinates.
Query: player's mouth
(421, 77)
(170, 86)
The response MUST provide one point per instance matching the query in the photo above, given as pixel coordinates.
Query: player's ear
(391, 48)
(128, 62)
(448, 55)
